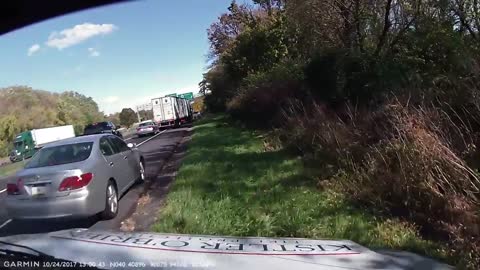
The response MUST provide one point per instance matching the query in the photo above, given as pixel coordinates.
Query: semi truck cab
(23, 147)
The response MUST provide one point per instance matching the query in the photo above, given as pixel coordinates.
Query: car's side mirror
(131, 145)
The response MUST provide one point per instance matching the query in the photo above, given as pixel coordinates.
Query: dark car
(102, 127)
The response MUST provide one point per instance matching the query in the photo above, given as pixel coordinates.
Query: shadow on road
(158, 185)
(44, 226)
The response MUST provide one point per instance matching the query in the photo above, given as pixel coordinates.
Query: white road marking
(3, 190)
(5, 223)
(154, 136)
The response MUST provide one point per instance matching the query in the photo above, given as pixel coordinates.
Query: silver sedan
(77, 177)
(147, 128)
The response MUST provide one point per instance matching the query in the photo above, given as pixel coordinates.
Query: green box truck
(27, 142)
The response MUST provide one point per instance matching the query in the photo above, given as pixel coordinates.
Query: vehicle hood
(109, 250)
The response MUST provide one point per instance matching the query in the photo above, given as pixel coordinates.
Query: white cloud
(111, 99)
(93, 52)
(34, 48)
(80, 32)
(114, 104)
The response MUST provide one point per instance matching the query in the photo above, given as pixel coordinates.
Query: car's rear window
(146, 124)
(62, 154)
(95, 128)
(100, 124)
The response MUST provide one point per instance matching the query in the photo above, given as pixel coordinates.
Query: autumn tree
(198, 104)
(23, 108)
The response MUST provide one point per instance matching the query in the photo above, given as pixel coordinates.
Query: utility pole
(138, 115)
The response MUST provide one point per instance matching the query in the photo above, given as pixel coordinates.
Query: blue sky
(121, 55)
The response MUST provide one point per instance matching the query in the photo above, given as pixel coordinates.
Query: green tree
(8, 130)
(257, 49)
(8, 127)
(222, 33)
(257, 43)
(127, 117)
(23, 108)
(78, 110)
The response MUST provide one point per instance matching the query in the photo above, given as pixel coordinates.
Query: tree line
(365, 86)
(127, 117)
(23, 108)
(340, 51)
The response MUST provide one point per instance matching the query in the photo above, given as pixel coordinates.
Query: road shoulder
(156, 189)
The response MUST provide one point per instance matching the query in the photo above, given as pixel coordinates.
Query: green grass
(10, 169)
(228, 185)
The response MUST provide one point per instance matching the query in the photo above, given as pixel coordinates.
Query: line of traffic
(141, 143)
(5, 223)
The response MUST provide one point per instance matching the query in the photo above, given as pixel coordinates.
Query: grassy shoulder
(229, 184)
(9, 169)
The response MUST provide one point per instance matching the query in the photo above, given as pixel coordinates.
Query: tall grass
(400, 159)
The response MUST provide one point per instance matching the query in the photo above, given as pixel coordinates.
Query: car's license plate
(39, 191)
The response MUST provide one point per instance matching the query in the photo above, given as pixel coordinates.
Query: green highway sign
(188, 96)
(171, 95)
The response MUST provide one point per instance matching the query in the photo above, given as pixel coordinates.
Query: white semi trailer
(171, 111)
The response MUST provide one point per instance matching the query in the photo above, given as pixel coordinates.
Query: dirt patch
(153, 198)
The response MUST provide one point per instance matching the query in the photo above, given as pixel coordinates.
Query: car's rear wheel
(111, 202)
(141, 178)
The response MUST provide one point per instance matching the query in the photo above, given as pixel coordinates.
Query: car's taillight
(12, 189)
(75, 182)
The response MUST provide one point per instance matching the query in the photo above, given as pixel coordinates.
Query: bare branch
(386, 27)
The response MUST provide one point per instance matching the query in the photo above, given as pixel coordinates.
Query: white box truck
(171, 111)
(27, 142)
